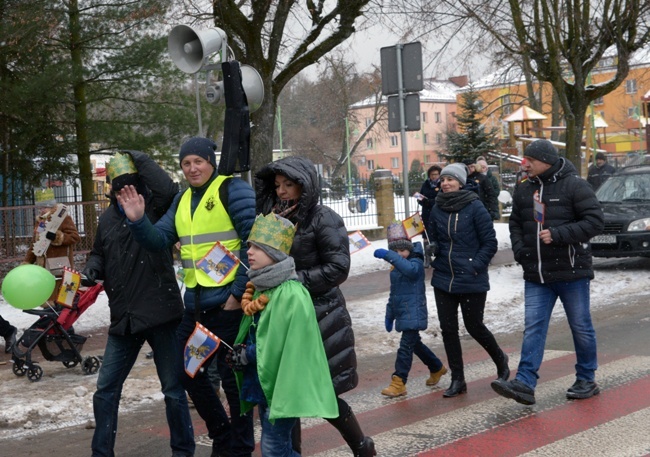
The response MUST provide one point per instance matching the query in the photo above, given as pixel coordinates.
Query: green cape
(291, 361)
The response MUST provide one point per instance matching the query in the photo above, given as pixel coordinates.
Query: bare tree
(317, 111)
(565, 40)
(280, 39)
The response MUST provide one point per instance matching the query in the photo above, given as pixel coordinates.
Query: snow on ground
(64, 396)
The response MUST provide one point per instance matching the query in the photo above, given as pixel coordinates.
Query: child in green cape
(278, 356)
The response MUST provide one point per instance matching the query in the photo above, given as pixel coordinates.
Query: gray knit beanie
(275, 254)
(458, 171)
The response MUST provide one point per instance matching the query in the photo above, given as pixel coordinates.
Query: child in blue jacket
(407, 307)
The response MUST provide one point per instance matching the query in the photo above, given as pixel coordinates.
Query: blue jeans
(234, 434)
(276, 437)
(410, 344)
(540, 300)
(119, 357)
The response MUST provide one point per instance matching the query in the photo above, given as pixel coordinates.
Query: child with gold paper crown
(279, 332)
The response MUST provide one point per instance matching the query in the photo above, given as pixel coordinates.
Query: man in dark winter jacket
(144, 301)
(214, 208)
(485, 190)
(600, 171)
(554, 215)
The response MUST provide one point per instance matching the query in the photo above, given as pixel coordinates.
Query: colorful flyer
(539, 208)
(218, 262)
(413, 225)
(201, 344)
(69, 286)
(357, 241)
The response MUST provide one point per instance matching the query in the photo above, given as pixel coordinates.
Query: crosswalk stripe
(429, 422)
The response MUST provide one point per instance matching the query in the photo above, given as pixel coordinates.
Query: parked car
(625, 199)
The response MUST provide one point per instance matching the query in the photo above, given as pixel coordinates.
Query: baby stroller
(55, 337)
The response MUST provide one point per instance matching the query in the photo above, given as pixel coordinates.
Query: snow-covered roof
(514, 75)
(434, 91)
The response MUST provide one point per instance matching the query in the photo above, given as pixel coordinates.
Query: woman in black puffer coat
(322, 255)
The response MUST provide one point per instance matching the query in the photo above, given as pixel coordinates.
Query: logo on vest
(209, 205)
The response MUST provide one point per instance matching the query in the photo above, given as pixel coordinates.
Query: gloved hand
(50, 236)
(236, 357)
(432, 249)
(389, 325)
(380, 253)
(88, 278)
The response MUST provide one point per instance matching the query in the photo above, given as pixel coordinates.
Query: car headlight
(639, 225)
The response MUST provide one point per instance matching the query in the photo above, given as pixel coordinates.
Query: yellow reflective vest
(199, 232)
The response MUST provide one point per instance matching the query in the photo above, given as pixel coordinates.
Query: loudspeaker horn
(188, 47)
(253, 87)
(252, 84)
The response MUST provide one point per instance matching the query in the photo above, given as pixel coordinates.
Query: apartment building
(624, 111)
(383, 149)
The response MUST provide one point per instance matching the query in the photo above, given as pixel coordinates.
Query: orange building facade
(623, 110)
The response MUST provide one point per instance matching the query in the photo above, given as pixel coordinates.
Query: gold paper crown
(120, 164)
(44, 195)
(273, 231)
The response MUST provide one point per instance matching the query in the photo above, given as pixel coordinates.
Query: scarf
(273, 275)
(286, 208)
(455, 201)
(263, 279)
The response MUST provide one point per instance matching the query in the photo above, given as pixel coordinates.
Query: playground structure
(526, 115)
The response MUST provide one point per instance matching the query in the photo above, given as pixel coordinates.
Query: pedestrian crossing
(480, 423)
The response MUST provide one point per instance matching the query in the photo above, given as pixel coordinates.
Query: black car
(625, 199)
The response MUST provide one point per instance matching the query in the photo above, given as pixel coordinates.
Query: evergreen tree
(416, 176)
(471, 139)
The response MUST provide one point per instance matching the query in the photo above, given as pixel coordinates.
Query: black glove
(50, 236)
(88, 278)
(432, 249)
(236, 357)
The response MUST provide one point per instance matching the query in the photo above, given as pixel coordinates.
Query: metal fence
(17, 228)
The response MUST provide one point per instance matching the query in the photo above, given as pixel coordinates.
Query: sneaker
(396, 388)
(515, 390)
(582, 389)
(434, 376)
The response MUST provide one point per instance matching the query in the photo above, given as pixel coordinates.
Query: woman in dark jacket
(463, 232)
(289, 187)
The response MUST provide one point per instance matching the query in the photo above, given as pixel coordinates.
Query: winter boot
(396, 388)
(434, 376)
(350, 430)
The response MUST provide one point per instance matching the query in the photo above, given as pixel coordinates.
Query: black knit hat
(542, 150)
(202, 147)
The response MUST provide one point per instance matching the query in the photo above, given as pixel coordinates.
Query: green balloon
(28, 286)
